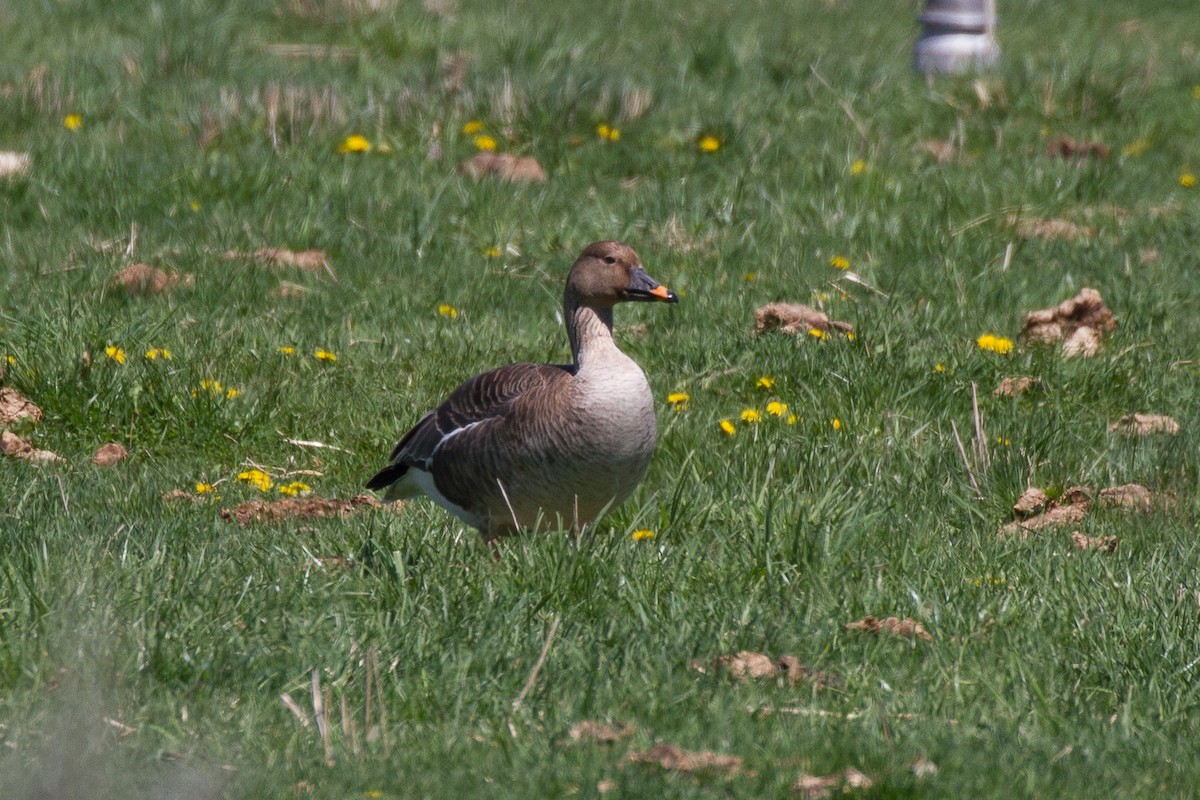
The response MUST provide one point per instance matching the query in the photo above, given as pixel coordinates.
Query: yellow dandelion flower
(1196, 92)
(840, 262)
(776, 408)
(473, 127)
(939, 367)
(485, 143)
(765, 382)
(156, 353)
(195, 205)
(373, 793)
(1136, 147)
(447, 310)
(994, 344)
(205, 488)
(817, 333)
(325, 355)
(792, 419)
(115, 353)
(215, 388)
(256, 478)
(72, 122)
(1187, 180)
(294, 488)
(708, 144)
(750, 277)
(678, 400)
(492, 252)
(10, 360)
(286, 349)
(355, 143)
(858, 167)
(836, 423)
(644, 533)
(850, 336)
(727, 427)
(608, 132)
(750, 415)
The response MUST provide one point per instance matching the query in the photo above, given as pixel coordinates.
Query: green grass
(1051, 672)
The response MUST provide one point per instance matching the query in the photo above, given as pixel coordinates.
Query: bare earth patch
(282, 258)
(795, 318)
(676, 759)
(15, 407)
(1144, 425)
(14, 446)
(144, 279)
(745, 665)
(506, 166)
(1038, 511)
(289, 508)
(907, 627)
(1080, 323)
(818, 786)
(1069, 509)
(1132, 496)
(109, 454)
(1019, 384)
(600, 732)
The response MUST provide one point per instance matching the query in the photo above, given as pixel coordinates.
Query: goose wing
(487, 398)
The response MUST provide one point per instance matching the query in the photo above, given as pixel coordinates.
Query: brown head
(607, 273)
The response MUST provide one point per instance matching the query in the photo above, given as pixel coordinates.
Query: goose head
(607, 273)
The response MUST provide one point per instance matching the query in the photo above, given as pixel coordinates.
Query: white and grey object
(958, 36)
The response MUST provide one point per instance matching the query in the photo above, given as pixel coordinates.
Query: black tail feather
(387, 476)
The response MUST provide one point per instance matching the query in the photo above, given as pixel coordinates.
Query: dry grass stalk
(537, 667)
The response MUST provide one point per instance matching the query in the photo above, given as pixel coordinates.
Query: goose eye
(610, 260)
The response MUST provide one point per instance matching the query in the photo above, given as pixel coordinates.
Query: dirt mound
(289, 508)
(795, 318)
(1144, 425)
(14, 446)
(142, 279)
(745, 665)
(908, 628)
(1080, 323)
(1069, 149)
(282, 258)
(505, 166)
(109, 454)
(676, 759)
(14, 407)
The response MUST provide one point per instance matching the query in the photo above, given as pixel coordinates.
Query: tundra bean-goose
(540, 445)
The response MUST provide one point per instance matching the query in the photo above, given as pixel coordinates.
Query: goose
(529, 446)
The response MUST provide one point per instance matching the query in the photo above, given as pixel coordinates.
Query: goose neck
(590, 331)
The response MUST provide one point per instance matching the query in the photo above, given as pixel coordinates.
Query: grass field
(146, 642)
